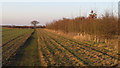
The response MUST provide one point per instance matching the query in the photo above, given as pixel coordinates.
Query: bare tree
(92, 14)
(34, 23)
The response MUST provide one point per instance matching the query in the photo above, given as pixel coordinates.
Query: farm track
(41, 57)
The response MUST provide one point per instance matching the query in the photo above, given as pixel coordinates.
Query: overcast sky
(22, 13)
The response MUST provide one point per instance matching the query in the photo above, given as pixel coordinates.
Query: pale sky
(22, 13)
(59, 0)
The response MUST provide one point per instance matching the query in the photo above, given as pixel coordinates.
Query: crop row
(60, 55)
(90, 56)
(109, 52)
(13, 34)
(13, 44)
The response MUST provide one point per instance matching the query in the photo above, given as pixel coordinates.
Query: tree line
(105, 26)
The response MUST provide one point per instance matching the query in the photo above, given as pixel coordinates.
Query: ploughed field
(59, 50)
(54, 50)
(12, 39)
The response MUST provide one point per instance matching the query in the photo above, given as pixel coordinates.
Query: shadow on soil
(19, 53)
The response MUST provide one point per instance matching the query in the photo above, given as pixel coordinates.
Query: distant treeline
(105, 26)
(24, 26)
